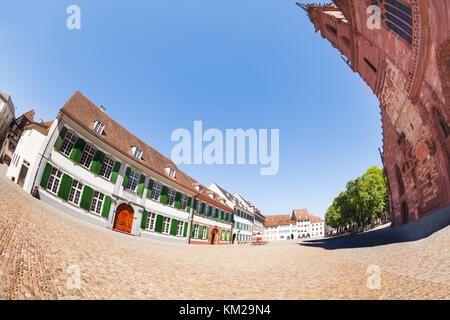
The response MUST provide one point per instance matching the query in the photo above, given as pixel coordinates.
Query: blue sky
(159, 65)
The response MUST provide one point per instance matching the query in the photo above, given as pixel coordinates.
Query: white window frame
(68, 143)
(98, 199)
(87, 156)
(156, 190)
(107, 167)
(54, 181)
(76, 190)
(205, 232)
(180, 228)
(151, 221)
(133, 180)
(196, 229)
(99, 127)
(184, 201)
(171, 196)
(166, 225)
(137, 153)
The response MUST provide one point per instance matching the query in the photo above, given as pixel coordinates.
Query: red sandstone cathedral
(405, 60)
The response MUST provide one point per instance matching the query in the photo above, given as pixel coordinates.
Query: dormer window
(170, 172)
(211, 195)
(198, 188)
(99, 127)
(137, 153)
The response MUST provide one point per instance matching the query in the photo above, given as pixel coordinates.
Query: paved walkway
(41, 247)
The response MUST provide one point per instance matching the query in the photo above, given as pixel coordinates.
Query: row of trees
(364, 202)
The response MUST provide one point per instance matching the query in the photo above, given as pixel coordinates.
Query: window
(156, 190)
(166, 225)
(170, 197)
(75, 192)
(107, 167)
(99, 127)
(398, 18)
(205, 232)
(180, 228)
(97, 202)
(184, 200)
(87, 156)
(170, 172)
(370, 65)
(151, 219)
(133, 181)
(199, 207)
(53, 181)
(196, 227)
(207, 210)
(68, 143)
(401, 186)
(137, 153)
(332, 29)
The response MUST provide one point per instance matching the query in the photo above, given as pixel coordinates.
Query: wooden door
(124, 218)
(22, 176)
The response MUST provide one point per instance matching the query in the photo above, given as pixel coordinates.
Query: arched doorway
(405, 212)
(234, 238)
(124, 218)
(215, 236)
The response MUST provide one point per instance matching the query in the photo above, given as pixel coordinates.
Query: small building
(212, 219)
(7, 113)
(308, 225)
(13, 135)
(279, 227)
(243, 217)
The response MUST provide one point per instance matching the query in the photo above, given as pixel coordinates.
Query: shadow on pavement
(409, 232)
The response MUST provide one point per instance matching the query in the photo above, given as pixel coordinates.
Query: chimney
(103, 108)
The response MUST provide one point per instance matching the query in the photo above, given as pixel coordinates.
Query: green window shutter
(159, 223)
(150, 188)
(86, 198)
(186, 225)
(115, 172)
(77, 150)
(200, 232)
(46, 175)
(188, 208)
(60, 138)
(64, 187)
(173, 227)
(144, 219)
(210, 211)
(192, 230)
(207, 233)
(106, 207)
(126, 177)
(202, 210)
(177, 202)
(140, 189)
(164, 192)
(97, 162)
(195, 206)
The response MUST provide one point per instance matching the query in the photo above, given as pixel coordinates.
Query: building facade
(300, 224)
(91, 167)
(7, 113)
(13, 134)
(212, 219)
(242, 217)
(405, 61)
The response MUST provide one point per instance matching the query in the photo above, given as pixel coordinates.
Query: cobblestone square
(41, 250)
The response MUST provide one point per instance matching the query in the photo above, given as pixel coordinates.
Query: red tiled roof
(276, 220)
(29, 115)
(84, 112)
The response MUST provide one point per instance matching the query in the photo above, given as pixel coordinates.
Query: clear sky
(159, 65)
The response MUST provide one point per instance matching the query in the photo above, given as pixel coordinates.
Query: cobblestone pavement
(39, 244)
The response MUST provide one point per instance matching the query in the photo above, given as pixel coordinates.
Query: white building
(279, 227)
(258, 218)
(89, 166)
(308, 225)
(7, 113)
(243, 218)
(300, 224)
